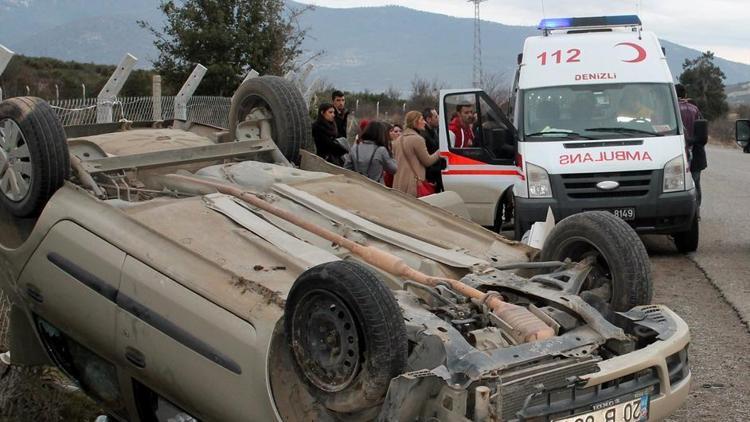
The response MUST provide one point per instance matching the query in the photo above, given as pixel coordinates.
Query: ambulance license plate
(630, 411)
(627, 214)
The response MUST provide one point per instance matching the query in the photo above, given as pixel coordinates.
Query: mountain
(373, 48)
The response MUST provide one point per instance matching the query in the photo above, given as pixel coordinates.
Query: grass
(38, 393)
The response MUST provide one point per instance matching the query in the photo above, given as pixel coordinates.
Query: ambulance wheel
(687, 241)
(620, 273)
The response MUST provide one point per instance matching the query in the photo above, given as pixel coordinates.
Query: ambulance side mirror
(742, 132)
(700, 132)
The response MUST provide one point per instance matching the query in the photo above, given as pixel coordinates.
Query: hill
(367, 48)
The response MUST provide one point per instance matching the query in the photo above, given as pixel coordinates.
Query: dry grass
(38, 394)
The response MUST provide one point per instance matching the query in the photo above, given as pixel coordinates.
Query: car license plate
(635, 410)
(627, 214)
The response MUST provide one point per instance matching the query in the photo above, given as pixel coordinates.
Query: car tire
(34, 161)
(687, 241)
(347, 335)
(290, 126)
(621, 258)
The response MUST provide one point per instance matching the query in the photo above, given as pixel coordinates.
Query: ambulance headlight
(674, 175)
(538, 179)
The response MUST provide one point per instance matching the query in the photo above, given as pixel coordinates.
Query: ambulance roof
(618, 55)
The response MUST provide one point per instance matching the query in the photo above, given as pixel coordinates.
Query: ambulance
(596, 126)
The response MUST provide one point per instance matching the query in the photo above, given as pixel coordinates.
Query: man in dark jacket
(690, 113)
(342, 114)
(431, 137)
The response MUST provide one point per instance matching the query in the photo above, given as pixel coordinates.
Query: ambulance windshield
(599, 111)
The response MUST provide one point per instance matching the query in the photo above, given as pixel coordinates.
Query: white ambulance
(597, 127)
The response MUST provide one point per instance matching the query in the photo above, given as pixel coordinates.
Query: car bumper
(660, 370)
(664, 213)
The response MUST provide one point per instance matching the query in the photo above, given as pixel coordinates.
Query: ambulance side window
(477, 129)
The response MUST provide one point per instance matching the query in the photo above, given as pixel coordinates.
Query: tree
(424, 93)
(704, 82)
(229, 37)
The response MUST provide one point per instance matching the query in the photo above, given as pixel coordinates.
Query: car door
(188, 350)
(480, 153)
(70, 285)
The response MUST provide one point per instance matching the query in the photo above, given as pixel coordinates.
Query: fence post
(105, 99)
(250, 75)
(5, 56)
(1, 93)
(57, 93)
(377, 110)
(156, 97)
(187, 91)
(28, 90)
(83, 87)
(356, 106)
(403, 109)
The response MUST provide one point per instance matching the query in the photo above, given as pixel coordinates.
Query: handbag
(424, 188)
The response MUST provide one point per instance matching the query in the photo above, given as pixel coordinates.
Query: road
(710, 289)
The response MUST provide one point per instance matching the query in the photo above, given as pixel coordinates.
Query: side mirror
(700, 132)
(742, 132)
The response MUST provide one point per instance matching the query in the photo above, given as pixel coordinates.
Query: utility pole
(477, 44)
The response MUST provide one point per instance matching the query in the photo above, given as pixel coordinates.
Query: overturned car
(179, 269)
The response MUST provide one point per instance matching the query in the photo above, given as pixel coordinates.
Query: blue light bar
(588, 22)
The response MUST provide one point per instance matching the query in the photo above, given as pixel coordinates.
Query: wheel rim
(599, 280)
(252, 102)
(325, 339)
(16, 171)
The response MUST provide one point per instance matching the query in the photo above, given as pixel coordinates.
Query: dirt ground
(720, 341)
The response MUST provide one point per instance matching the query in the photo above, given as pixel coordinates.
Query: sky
(722, 26)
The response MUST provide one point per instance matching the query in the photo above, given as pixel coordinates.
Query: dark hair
(336, 94)
(322, 108)
(681, 91)
(376, 132)
(427, 113)
(461, 106)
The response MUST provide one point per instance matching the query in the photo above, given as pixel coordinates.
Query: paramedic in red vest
(460, 126)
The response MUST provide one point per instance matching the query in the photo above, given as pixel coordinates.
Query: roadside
(724, 251)
(718, 358)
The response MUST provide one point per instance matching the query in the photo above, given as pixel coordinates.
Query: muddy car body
(181, 271)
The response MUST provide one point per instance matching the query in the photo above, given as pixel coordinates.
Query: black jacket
(433, 173)
(324, 135)
(340, 120)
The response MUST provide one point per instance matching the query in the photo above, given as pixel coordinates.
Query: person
(460, 126)
(632, 107)
(325, 134)
(696, 150)
(431, 137)
(410, 151)
(342, 114)
(371, 156)
(395, 132)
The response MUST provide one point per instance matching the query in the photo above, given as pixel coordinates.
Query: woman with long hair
(371, 155)
(412, 158)
(325, 133)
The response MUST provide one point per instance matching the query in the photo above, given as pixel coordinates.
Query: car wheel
(290, 123)
(347, 335)
(688, 241)
(34, 160)
(621, 273)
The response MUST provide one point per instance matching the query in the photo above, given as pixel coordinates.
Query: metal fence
(205, 110)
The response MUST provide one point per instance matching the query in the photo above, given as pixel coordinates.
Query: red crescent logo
(641, 52)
